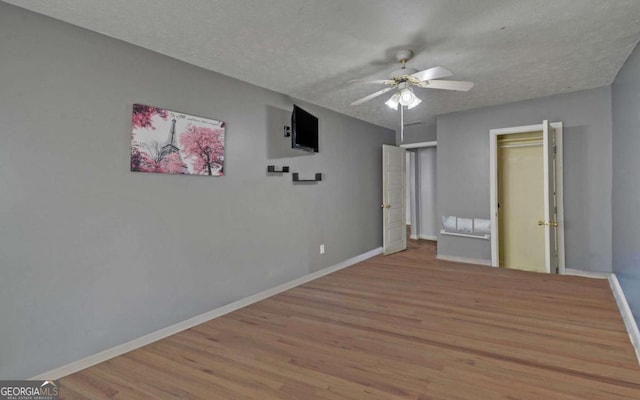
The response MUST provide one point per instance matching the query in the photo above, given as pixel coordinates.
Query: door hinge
(555, 150)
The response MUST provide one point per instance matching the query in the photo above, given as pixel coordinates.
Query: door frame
(493, 185)
(412, 197)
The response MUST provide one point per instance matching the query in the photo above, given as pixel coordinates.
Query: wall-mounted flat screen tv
(304, 130)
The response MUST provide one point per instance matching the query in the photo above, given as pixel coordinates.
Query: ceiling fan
(405, 79)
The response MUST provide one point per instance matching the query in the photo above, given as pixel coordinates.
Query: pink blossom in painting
(141, 116)
(168, 142)
(205, 146)
(172, 164)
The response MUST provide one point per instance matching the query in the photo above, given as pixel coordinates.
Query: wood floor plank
(405, 326)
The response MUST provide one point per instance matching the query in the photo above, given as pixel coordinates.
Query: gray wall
(416, 133)
(427, 209)
(463, 171)
(626, 180)
(92, 255)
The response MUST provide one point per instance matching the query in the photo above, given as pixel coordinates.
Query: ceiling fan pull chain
(401, 124)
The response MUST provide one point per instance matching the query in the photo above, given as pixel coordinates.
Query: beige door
(393, 199)
(511, 227)
(521, 201)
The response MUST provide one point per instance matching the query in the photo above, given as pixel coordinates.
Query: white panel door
(393, 199)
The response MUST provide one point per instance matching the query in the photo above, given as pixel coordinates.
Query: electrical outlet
(322, 249)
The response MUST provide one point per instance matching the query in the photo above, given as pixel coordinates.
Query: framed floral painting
(169, 142)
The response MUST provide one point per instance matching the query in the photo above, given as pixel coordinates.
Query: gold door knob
(548, 223)
(385, 205)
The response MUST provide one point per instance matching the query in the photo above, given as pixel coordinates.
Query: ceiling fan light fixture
(406, 97)
(414, 103)
(393, 101)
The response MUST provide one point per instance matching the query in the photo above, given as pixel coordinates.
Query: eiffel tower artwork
(194, 145)
(170, 147)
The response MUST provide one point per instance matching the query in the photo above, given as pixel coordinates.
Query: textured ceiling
(308, 49)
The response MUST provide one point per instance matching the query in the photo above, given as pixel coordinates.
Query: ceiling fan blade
(461, 86)
(380, 81)
(432, 73)
(371, 96)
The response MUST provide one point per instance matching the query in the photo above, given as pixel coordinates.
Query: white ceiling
(308, 49)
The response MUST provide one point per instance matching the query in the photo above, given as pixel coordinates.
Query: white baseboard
(413, 237)
(97, 358)
(625, 311)
(586, 274)
(428, 237)
(464, 260)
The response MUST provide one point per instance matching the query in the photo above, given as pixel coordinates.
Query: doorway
(421, 210)
(527, 213)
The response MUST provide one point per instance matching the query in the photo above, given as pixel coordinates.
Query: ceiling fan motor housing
(399, 73)
(404, 55)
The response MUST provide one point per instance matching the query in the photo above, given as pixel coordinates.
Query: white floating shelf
(467, 235)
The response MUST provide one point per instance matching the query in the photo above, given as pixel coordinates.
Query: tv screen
(304, 130)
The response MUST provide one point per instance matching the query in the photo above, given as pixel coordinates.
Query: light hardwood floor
(405, 326)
